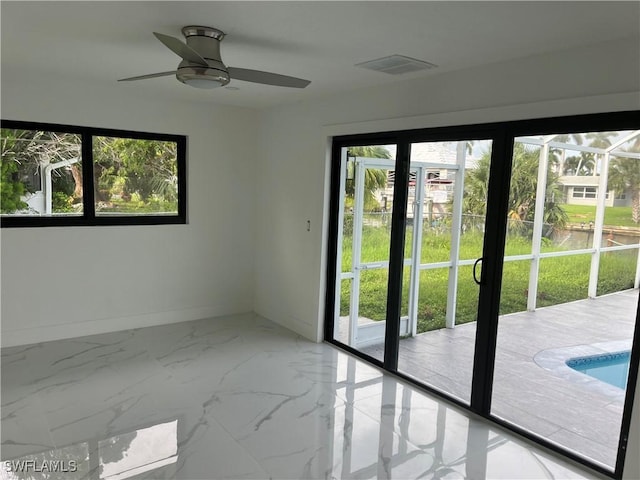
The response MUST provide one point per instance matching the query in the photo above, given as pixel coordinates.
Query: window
(64, 175)
(134, 176)
(585, 192)
(41, 173)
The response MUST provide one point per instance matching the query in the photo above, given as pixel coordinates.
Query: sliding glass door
(569, 289)
(367, 175)
(498, 265)
(445, 225)
(442, 244)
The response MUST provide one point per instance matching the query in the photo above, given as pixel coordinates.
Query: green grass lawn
(613, 216)
(561, 279)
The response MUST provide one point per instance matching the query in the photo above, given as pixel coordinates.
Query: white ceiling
(101, 42)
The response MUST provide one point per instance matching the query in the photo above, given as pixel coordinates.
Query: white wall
(293, 187)
(293, 174)
(73, 281)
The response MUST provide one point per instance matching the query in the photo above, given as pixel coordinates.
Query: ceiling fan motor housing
(205, 41)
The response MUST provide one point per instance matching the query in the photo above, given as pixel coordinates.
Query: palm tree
(598, 140)
(374, 179)
(522, 196)
(570, 165)
(624, 176)
(476, 182)
(565, 138)
(587, 164)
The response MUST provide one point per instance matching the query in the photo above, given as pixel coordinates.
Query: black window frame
(503, 135)
(88, 218)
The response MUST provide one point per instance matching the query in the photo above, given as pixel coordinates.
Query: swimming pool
(612, 368)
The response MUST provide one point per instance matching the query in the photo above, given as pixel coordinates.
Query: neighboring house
(439, 181)
(583, 190)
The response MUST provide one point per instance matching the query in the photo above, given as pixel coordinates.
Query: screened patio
(591, 238)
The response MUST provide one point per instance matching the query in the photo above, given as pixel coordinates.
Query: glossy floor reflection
(236, 397)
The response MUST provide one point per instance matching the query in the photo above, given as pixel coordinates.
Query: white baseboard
(11, 338)
(296, 325)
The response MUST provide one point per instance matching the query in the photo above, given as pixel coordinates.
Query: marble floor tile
(237, 397)
(24, 427)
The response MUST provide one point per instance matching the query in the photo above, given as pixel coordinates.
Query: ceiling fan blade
(151, 75)
(181, 49)
(258, 76)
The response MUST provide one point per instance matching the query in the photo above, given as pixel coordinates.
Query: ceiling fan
(202, 67)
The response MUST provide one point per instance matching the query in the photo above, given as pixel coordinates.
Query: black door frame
(502, 135)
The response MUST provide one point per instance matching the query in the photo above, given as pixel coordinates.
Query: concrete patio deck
(533, 388)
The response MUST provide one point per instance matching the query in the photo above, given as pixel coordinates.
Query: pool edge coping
(554, 361)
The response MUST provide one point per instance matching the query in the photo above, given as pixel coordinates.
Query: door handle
(475, 277)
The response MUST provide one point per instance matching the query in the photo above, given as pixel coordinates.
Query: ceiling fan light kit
(202, 66)
(202, 77)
